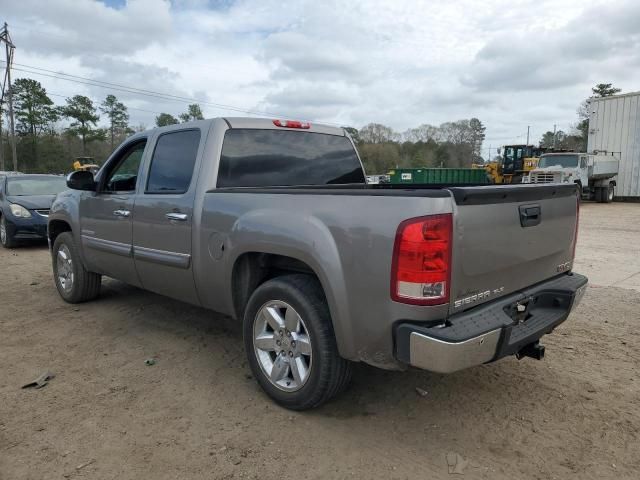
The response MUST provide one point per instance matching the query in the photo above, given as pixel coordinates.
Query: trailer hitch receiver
(533, 350)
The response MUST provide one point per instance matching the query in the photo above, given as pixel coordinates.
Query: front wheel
(75, 284)
(290, 343)
(6, 239)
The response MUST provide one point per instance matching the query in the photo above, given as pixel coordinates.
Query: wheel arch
(255, 267)
(55, 228)
(252, 269)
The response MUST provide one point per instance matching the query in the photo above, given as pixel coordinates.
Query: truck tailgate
(507, 238)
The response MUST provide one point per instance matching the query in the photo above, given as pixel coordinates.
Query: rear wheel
(598, 195)
(290, 343)
(609, 193)
(75, 284)
(6, 239)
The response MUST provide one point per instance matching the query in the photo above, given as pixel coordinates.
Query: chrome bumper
(446, 357)
(490, 331)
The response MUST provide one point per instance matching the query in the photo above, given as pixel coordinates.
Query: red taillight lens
(421, 268)
(291, 124)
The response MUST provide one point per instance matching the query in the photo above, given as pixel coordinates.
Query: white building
(614, 126)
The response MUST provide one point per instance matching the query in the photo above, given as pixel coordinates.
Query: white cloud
(511, 63)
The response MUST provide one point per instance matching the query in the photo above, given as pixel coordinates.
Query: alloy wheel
(64, 268)
(282, 345)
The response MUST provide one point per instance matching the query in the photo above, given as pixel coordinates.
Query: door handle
(530, 215)
(181, 217)
(121, 213)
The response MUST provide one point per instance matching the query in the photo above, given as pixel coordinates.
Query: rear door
(508, 238)
(163, 215)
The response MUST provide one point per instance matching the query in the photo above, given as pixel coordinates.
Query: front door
(163, 216)
(106, 216)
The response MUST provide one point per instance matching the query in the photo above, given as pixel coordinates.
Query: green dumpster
(460, 176)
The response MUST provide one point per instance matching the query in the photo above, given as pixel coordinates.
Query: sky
(510, 63)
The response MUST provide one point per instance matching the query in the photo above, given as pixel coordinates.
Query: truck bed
(346, 235)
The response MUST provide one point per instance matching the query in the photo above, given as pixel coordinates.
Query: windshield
(23, 186)
(564, 161)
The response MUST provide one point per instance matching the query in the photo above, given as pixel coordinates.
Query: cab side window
(124, 176)
(583, 162)
(173, 160)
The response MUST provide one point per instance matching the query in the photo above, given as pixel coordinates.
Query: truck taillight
(421, 265)
(292, 124)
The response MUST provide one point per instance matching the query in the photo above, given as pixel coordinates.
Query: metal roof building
(614, 126)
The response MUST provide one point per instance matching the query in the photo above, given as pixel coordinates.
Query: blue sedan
(25, 201)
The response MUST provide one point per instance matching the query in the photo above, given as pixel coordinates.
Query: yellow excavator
(516, 161)
(86, 164)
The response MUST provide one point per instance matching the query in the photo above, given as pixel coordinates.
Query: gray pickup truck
(272, 223)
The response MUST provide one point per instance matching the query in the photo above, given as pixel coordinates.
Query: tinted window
(124, 176)
(23, 186)
(173, 161)
(261, 158)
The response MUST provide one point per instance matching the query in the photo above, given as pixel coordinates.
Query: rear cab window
(173, 161)
(270, 158)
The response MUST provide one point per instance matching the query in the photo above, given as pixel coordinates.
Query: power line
(137, 92)
(140, 91)
(5, 38)
(132, 89)
(128, 107)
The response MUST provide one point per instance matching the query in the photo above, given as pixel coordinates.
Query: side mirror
(81, 180)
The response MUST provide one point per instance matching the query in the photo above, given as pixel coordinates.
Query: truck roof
(257, 123)
(267, 123)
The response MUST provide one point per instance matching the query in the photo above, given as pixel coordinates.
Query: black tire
(84, 285)
(6, 239)
(608, 193)
(329, 374)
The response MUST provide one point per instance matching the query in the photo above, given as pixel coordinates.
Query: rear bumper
(491, 331)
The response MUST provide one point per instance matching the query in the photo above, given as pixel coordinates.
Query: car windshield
(564, 161)
(23, 186)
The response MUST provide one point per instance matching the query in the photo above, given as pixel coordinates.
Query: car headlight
(19, 211)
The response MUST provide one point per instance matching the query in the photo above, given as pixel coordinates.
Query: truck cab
(593, 173)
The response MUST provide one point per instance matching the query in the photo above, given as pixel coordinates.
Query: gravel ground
(197, 413)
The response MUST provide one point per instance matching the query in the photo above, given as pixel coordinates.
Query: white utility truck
(594, 173)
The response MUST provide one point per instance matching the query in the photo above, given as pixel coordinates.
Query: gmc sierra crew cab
(272, 223)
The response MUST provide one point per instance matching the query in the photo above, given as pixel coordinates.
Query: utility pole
(1, 145)
(554, 136)
(528, 127)
(9, 47)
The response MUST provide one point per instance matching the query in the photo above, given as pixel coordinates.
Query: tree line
(43, 146)
(450, 145)
(456, 144)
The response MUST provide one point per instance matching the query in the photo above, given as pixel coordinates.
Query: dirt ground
(197, 413)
